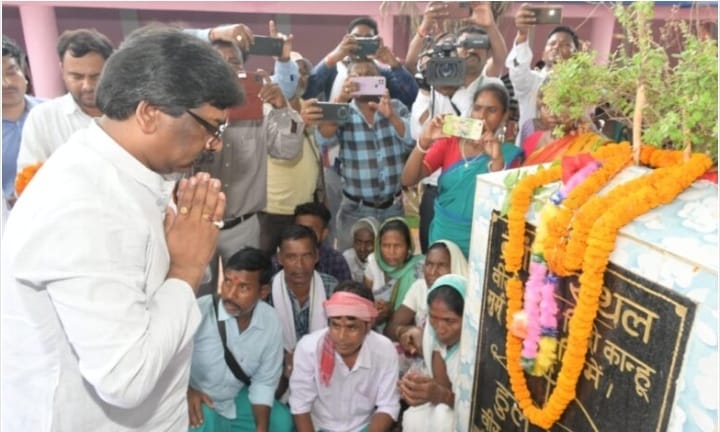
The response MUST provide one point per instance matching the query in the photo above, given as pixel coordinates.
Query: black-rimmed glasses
(215, 131)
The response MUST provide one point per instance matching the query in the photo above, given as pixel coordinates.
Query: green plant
(670, 100)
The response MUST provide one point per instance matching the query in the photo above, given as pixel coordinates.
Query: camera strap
(432, 104)
(455, 108)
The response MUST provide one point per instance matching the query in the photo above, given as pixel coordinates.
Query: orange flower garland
(614, 157)
(24, 177)
(650, 191)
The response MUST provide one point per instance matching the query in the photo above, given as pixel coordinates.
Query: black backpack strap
(229, 358)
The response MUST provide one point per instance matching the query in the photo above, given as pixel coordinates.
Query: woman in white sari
(432, 396)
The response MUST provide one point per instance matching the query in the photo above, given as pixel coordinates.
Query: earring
(500, 134)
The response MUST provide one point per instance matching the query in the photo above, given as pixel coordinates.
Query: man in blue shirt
(330, 73)
(219, 399)
(15, 107)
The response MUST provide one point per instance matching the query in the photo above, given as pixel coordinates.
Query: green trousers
(280, 418)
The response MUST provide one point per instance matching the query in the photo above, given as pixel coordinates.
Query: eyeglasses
(215, 131)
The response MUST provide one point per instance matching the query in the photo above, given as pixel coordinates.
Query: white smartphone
(369, 85)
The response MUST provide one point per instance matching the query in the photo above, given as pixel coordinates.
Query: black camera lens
(447, 70)
(342, 113)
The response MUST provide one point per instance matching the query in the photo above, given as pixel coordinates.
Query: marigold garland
(537, 323)
(24, 177)
(662, 186)
(613, 157)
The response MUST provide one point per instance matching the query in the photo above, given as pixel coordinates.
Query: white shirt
(357, 267)
(525, 80)
(416, 300)
(48, 126)
(381, 288)
(94, 336)
(354, 395)
(5, 214)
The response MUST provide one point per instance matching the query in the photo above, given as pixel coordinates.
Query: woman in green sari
(461, 161)
(392, 267)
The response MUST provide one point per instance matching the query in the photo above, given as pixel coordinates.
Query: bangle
(210, 35)
(420, 149)
(491, 163)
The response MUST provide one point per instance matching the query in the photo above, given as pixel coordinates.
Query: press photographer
(451, 69)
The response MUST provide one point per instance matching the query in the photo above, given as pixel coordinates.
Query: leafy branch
(680, 108)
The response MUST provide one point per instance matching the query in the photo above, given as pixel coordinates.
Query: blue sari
(456, 195)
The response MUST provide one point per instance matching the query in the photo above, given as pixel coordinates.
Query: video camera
(445, 68)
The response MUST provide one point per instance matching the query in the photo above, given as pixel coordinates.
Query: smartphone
(267, 46)
(463, 127)
(458, 10)
(477, 41)
(369, 85)
(547, 14)
(337, 112)
(368, 46)
(252, 107)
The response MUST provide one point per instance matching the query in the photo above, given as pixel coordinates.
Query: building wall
(316, 26)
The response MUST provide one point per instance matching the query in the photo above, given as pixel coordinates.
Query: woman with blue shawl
(461, 161)
(431, 393)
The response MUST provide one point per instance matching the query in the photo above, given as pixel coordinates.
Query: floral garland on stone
(662, 186)
(613, 157)
(537, 322)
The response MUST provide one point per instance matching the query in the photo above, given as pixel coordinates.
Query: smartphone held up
(267, 46)
(458, 10)
(463, 127)
(336, 112)
(546, 14)
(369, 86)
(368, 46)
(252, 107)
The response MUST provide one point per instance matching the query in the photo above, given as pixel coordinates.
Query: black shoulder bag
(229, 359)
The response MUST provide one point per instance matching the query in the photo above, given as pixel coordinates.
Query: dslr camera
(445, 68)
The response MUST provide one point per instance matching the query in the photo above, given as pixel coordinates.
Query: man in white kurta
(344, 377)
(98, 282)
(561, 43)
(82, 53)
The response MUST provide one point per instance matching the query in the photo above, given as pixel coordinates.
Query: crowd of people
(172, 262)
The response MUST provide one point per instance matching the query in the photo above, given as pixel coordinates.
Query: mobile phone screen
(267, 46)
(368, 46)
(373, 86)
(334, 111)
(463, 127)
(547, 15)
(458, 10)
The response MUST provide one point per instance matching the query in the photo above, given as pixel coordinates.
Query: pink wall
(317, 26)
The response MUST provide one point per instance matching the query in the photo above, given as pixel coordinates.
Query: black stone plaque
(633, 361)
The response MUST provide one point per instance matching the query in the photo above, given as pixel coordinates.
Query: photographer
(449, 95)
(326, 82)
(562, 42)
(329, 74)
(275, 129)
(461, 160)
(374, 141)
